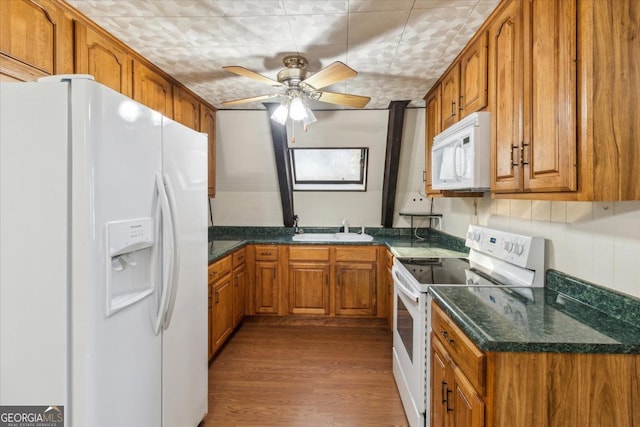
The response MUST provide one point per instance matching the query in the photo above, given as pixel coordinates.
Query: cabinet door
(152, 89)
(309, 288)
(186, 108)
(36, 40)
(210, 318)
(208, 126)
(222, 311)
(550, 96)
(433, 125)
(356, 289)
(239, 294)
(450, 92)
(390, 298)
(266, 286)
(103, 58)
(439, 384)
(466, 405)
(473, 77)
(506, 69)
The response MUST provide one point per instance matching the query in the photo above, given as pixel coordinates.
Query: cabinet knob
(445, 335)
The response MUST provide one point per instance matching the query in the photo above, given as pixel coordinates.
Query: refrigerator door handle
(172, 287)
(168, 247)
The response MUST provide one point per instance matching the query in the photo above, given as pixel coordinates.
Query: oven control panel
(523, 251)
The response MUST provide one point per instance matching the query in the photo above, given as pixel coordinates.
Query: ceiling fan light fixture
(281, 114)
(310, 117)
(297, 110)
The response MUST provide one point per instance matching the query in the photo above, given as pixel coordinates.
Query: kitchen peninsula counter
(565, 317)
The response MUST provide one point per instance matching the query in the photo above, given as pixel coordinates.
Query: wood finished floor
(282, 372)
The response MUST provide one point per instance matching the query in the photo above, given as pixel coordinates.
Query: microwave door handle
(458, 160)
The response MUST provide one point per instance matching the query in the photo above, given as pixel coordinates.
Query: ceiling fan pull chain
(293, 132)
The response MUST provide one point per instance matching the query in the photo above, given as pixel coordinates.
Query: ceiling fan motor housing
(295, 71)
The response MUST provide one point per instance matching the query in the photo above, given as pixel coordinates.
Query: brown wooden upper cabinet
(464, 86)
(152, 89)
(100, 55)
(186, 108)
(208, 126)
(35, 40)
(533, 76)
(450, 93)
(433, 125)
(473, 77)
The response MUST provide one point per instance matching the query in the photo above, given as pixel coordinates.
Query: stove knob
(519, 248)
(508, 246)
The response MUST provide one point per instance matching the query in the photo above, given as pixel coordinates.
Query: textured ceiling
(399, 47)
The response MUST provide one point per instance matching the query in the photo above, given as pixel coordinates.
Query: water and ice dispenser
(130, 262)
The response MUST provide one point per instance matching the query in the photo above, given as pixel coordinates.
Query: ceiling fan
(298, 83)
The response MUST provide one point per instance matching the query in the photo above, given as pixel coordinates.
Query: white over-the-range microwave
(461, 155)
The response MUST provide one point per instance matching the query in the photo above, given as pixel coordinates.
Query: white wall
(247, 183)
(595, 241)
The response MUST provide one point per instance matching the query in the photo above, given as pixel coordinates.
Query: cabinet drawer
(309, 253)
(266, 252)
(464, 353)
(239, 257)
(356, 253)
(219, 268)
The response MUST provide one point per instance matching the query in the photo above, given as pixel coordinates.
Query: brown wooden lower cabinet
(227, 298)
(505, 389)
(266, 279)
(239, 293)
(455, 402)
(334, 280)
(222, 311)
(389, 286)
(309, 288)
(355, 288)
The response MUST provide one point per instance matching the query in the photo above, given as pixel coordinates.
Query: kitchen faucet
(296, 229)
(345, 225)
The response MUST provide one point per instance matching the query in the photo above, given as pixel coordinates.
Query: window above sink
(329, 169)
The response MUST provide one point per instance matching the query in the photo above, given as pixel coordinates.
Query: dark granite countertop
(501, 320)
(224, 240)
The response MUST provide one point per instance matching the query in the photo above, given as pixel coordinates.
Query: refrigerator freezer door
(115, 356)
(33, 244)
(184, 372)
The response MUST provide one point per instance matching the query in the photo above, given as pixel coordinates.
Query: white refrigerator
(103, 257)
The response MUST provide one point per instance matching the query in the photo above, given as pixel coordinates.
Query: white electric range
(496, 258)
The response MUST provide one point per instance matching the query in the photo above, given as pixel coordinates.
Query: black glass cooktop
(437, 271)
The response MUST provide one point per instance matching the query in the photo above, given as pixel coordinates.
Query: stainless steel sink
(332, 237)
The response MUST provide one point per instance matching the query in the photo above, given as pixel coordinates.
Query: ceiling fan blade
(330, 74)
(355, 101)
(252, 99)
(245, 72)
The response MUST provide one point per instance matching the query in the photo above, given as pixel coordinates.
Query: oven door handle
(398, 281)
